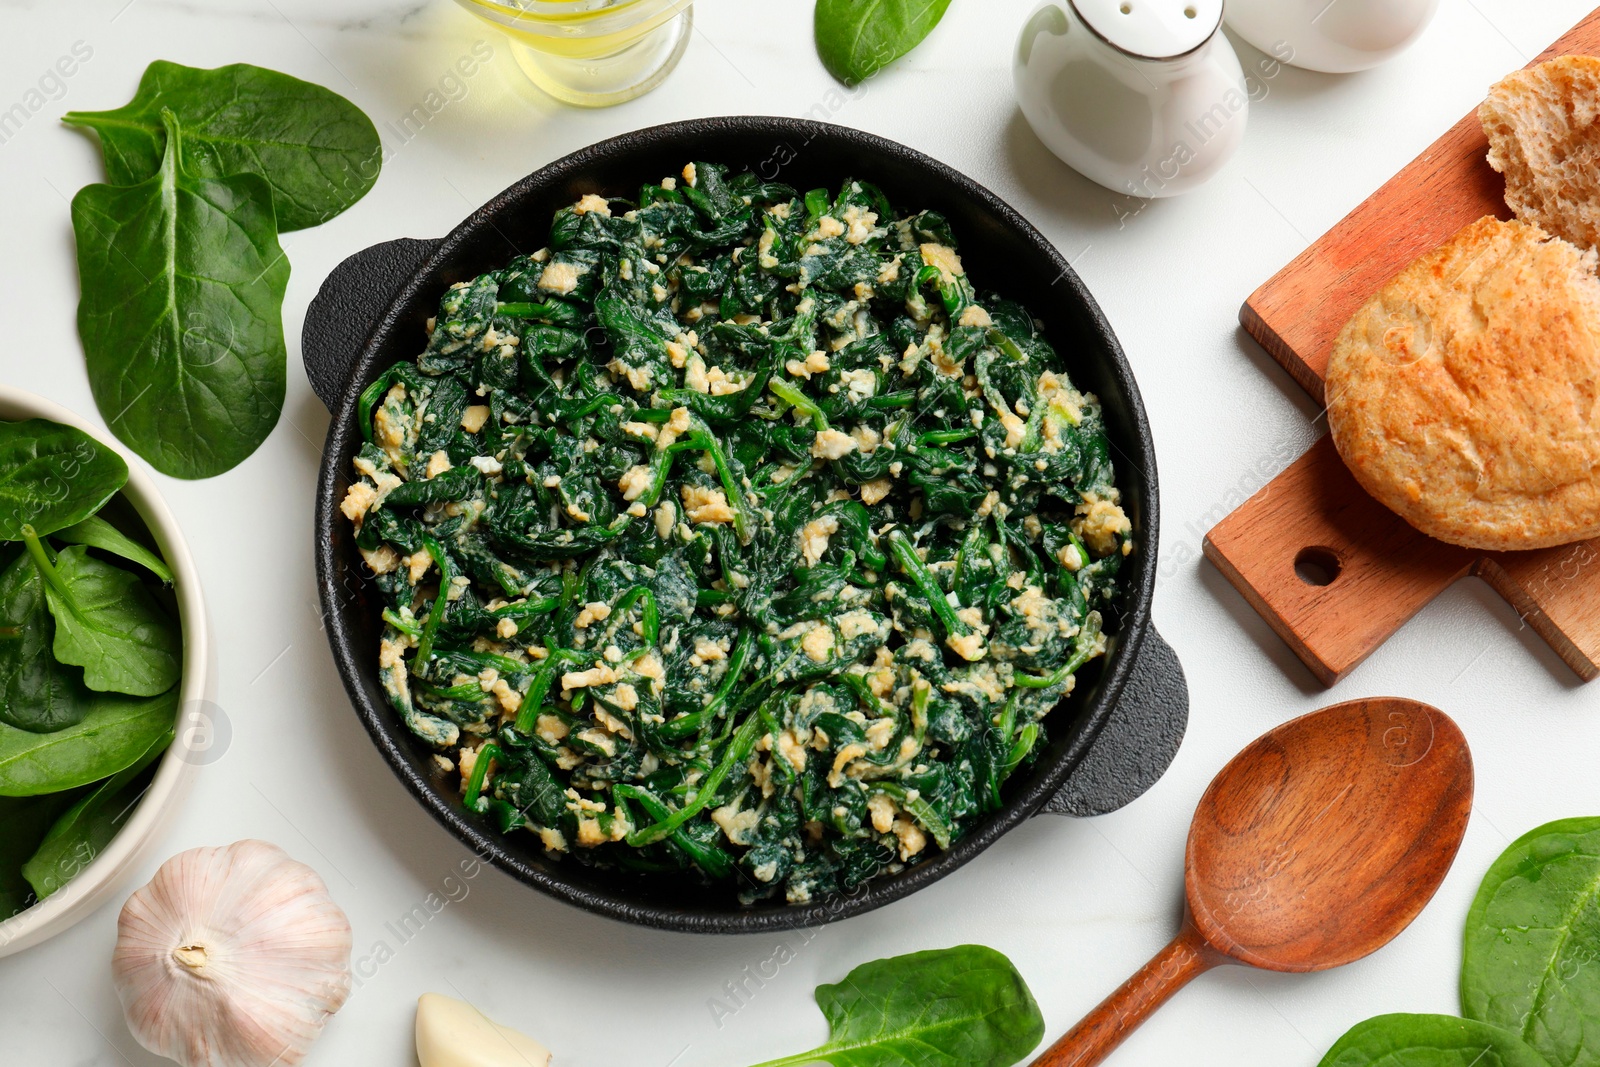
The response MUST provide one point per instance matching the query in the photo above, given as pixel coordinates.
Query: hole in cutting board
(1317, 566)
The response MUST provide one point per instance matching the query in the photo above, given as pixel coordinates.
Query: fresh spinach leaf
(23, 824)
(858, 38)
(52, 476)
(108, 624)
(115, 733)
(181, 316)
(317, 150)
(80, 834)
(98, 533)
(1429, 1041)
(36, 692)
(958, 1007)
(1531, 959)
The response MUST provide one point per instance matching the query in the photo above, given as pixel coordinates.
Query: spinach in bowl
(90, 657)
(734, 533)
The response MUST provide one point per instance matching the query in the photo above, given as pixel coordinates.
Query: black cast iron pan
(1110, 740)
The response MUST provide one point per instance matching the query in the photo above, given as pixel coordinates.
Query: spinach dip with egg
(735, 534)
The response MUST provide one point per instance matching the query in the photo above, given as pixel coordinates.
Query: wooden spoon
(1318, 844)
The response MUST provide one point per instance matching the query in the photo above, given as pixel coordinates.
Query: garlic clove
(451, 1033)
(232, 957)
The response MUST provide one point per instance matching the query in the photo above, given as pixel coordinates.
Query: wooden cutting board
(1333, 571)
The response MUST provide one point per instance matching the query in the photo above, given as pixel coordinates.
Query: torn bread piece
(1543, 125)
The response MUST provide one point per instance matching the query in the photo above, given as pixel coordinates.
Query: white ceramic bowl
(106, 872)
(1336, 38)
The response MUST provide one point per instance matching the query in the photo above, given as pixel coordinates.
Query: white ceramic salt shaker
(1145, 97)
(1337, 37)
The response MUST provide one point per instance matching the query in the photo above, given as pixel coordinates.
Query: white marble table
(1077, 905)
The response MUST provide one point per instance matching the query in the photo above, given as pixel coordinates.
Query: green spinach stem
(1086, 648)
(480, 770)
(800, 402)
(906, 555)
(441, 601)
(682, 727)
(47, 570)
(744, 741)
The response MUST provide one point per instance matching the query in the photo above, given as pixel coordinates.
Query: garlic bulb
(232, 957)
(451, 1033)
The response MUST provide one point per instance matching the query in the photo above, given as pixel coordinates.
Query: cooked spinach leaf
(317, 150)
(182, 286)
(737, 534)
(114, 734)
(1531, 960)
(52, 476)
(959, 1007)
(108, 623)
(1429, 1041)
(36, 692)
(858, 38)
(84, 830)
(98, 533)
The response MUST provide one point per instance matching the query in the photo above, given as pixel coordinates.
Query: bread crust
(1543, 125)
(1465, 395)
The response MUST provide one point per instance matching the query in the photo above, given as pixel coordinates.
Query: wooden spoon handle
(1104, 1028)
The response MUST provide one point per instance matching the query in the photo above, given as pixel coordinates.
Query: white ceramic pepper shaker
(1337, 37)
(1145, 97)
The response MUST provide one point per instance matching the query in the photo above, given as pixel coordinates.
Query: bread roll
(1465, 395)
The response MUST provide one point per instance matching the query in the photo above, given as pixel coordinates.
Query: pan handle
(1134, 747)
(347, 309)
(1138, 743)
